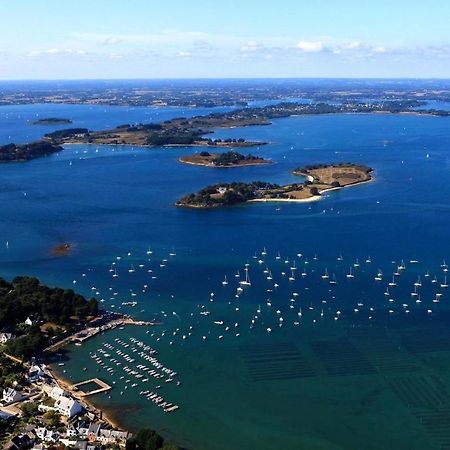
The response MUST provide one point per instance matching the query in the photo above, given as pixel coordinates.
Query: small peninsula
(13, 152)
(228, 159)
(51, 121)
(321, 178)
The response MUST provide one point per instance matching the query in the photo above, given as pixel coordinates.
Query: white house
(36, 372)
(10, 395)
(57, 392)
(5, 337)
(68, 407)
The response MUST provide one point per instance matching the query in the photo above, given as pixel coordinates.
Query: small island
(62, 249)
(228, 159)
(26, 152)
(320, 178)
(51, 121)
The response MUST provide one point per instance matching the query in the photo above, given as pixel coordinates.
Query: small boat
(225, 281)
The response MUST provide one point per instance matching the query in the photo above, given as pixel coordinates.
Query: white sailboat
(246, 282)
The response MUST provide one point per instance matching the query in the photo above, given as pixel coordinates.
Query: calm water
(354, 365)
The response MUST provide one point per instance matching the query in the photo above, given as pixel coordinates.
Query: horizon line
(223, 78)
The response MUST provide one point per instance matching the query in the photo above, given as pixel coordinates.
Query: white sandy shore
(309, 199)
(286, 200)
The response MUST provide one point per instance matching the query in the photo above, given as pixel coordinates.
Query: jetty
(91, 331)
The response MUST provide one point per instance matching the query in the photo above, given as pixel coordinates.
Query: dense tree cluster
(51, 121)
(173, 136)
(68, 132)
(25, 152)
(25, 297)
(233, 193)
(142, 127)
(10, 372)
(147, 439)
(231, 158)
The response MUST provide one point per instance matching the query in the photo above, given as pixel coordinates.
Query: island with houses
(319, 179)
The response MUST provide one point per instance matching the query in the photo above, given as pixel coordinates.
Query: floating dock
(104, 387)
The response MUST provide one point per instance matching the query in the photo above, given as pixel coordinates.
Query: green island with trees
(51, 121)
(320, 178)
(227, 159)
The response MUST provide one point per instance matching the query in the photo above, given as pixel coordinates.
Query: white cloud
(183, 54)
(378, 49)
(251, 46)
(353, 45)
(111, 40)
(310, 46)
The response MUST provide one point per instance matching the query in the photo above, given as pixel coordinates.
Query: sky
(89, 39)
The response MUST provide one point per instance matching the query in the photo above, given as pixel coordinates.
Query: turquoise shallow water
(377, 377)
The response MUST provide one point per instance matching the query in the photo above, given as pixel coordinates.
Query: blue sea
(294, 364)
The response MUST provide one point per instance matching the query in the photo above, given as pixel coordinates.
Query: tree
(30, 409)
(51, 418)
(145, 439)
(314, 190)
(170, 446)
